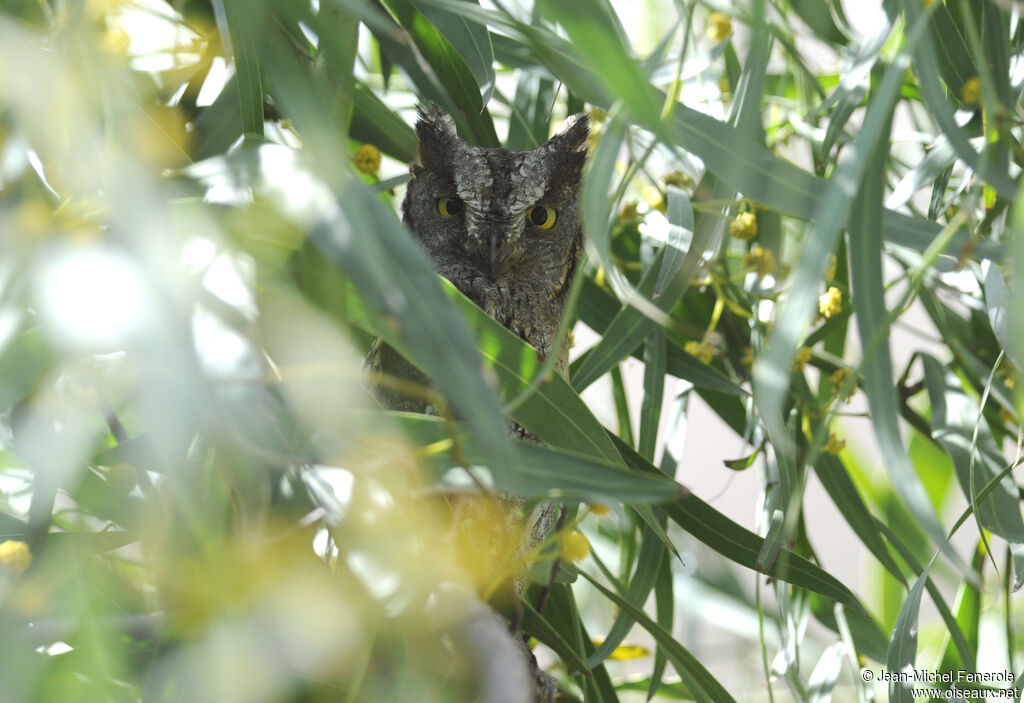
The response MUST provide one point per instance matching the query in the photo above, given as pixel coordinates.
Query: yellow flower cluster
(744, 226)
(15, 557)
(971, 92)
(748, 357)
(719, 26)
(830, 273)
(574, 546)
(831, 303)
(803, 355)
(367, 158)
(703, 350)
(834, 445)
(760, 260)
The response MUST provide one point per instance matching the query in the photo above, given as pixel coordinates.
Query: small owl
(504, 227)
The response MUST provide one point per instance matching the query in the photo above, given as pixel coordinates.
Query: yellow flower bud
(831, 303)
(803, 355)
(15, 556)
(574, 546)
(367, 158)
(744, 226)
(830, 273)
(834, 445)
(760, 260)
(971, 92)
(704, 351)
(719, 26)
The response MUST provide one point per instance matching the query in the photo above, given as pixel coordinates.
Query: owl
(503, 226)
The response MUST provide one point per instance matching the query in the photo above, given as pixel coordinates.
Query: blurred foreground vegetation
(791, 216)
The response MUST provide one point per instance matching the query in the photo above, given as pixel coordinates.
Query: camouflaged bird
(504, 227)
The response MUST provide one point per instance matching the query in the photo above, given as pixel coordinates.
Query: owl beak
(492, 258)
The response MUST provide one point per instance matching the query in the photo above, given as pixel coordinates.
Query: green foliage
(201, 500)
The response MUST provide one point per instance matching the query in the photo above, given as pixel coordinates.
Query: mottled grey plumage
(504, 227)
(516, 271)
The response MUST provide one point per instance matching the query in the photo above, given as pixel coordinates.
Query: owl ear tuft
(568, 148)
(435, 132)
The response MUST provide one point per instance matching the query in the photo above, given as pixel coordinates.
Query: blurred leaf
(472, 42)
(699, 680)
(546, 471)
(374, 123)
(740, 545)
(938, 104)
(955, 420)
(238, 22)
(449, 68)
(395, 279)
(654, 389)
(680, 236)
(903, 645)
(818, 16)
(648, 564)
(844, 494)
(598, 308)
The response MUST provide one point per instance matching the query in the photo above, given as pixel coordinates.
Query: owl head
(497, 219)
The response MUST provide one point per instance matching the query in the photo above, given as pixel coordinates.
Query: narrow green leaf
(373, 122)
(844, 494)
(554, 412)
(699, 680)
(955, 419)
(680, 236)
(547, 471)
(241, 27)
(654, 388)
(664, 594)
(740, 545)
(938, 104)
(471, 41)
(598, 308)
(394, 277)
(903, 645)
(648, 564)
(450, 71)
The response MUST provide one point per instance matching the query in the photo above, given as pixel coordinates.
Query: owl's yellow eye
(542, 216)
(449, 206)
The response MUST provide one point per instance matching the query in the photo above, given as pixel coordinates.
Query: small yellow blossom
(834, 445)
(830, 272)
(628, 214)
(831, 303)
(678, 179)
(654, 198)
(971, 92)
(748, 357)
(14, 556)
(839, 376)
(574, 546)
(803, 355)
(719, 26)
(744, 226)
(597, 114)
(599, 509)
(704, 351)
(760, 260)
(367, 159)
(723, 84)
(927, 3)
